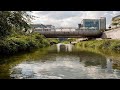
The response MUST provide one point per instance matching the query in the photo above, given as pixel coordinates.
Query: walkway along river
(61, 61)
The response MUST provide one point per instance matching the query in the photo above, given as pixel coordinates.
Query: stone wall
(113, 34)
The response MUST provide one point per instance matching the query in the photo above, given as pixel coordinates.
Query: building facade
(42, 27)
(116, 17)
(102, 23)
(115, 22)
(97, 24)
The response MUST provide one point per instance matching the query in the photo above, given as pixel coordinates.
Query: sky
(70, 18)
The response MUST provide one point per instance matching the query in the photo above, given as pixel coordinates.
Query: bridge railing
(62, 30)
(77, 32)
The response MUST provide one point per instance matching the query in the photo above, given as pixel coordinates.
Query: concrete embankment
(112, 34)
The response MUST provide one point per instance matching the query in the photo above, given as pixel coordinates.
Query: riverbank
(18, 43)
(113, 45)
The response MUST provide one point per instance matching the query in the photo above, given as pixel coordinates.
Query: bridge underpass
(71, 34)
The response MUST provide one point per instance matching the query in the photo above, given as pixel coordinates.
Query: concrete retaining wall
(113, 34)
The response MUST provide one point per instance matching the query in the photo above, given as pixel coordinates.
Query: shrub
(18, 42)
(101, 44)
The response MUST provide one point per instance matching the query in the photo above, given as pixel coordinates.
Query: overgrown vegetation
(69, 40)
(53, 40)
(13, 21)
(101, 44)
(19, 43)
(14, 33)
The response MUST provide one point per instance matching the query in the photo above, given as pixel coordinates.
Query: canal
(61, 61)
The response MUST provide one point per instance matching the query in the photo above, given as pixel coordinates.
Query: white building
(116, 19)
(41, 27)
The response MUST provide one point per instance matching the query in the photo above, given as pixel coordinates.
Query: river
(61, 61)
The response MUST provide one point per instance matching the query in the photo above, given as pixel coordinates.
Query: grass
(101, 44)
(68, 40)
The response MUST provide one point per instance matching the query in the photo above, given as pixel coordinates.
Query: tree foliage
(17, 20)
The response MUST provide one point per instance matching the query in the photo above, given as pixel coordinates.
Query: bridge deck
(67, 34)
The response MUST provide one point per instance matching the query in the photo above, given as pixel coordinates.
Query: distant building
(50, 26)
(97, 24)
(116, 17)
(102, 23)
(42, 27)
(115, 21)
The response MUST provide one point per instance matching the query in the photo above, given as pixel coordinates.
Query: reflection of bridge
(64, 47)
(71, 34)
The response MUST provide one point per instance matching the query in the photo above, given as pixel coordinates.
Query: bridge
(82, 33)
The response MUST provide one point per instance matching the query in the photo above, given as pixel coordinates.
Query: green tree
(17, 20)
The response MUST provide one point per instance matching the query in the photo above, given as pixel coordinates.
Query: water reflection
(109, 65)
(64, 47)
(75, 65)
(92, 59)
(48, 64)
(65, 67)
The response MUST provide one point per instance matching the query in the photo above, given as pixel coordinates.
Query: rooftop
(41, 26)
(116, 17)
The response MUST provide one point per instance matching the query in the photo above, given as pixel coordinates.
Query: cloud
(71, 18)
(59, 14)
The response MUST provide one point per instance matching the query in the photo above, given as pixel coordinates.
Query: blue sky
(70, 18)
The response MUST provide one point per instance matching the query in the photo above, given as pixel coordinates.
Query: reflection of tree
(92, 59)
(6, 63)
(116, 64)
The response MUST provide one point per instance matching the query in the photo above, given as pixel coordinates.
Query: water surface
(61, 61)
